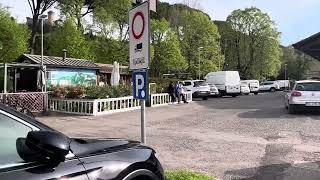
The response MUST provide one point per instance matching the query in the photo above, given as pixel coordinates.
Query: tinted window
(187, 83)
(308, 87)
(199, 83)
(10, 130)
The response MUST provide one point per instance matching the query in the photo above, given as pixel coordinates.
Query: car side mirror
(51, 146)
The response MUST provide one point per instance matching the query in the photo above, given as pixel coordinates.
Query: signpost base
(143, 122)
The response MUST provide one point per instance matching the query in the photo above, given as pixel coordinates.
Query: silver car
(304, 95)
(213, 90)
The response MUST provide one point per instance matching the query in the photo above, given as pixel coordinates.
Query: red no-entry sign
(139, 24)
(137, 34)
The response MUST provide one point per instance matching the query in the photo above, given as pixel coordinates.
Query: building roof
(52, 61)
(310, 46)
(107, 68)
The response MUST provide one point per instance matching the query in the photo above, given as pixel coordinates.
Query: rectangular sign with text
(139, 19)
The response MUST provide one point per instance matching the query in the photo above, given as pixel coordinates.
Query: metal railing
(93, 107)
(165, 99)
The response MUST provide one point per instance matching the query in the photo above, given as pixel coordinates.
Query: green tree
(200, 39)
(74, 9)
(295, 63)
(13, 37)
(109, 50)
(251, 44)
(167, 56)
(112, 16)
(70, 38)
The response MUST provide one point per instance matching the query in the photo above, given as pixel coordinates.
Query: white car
(253, 85)
(213, 90)
(245, 89)
(198, 88)
(272, 86)
(304, 95)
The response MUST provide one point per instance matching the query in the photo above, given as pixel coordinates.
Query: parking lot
(248, 137)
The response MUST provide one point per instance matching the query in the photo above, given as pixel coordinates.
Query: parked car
(227, 82)
(283, 84)
(31, 150)
(304, 95)
(199, 88)
(253, 85)
(272, 86)
(245, 90)
(213, 90)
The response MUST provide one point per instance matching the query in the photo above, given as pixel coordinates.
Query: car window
(199, 83)
(187, 83)
(308, 87)
(10, 130)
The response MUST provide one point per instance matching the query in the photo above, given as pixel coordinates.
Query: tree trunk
(34, 29)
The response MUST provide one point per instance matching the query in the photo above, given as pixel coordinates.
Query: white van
(228, 82)
(283, 84)
(253, 85)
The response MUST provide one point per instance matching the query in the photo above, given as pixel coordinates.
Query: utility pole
(199, 49)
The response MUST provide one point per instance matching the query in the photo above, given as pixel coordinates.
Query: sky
(295, 19)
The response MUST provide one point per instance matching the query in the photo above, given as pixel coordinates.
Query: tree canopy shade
(37, 7)
(167, 56)
(251, 44)
(13, 37)
(68, 37)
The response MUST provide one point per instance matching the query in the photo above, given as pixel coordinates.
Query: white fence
(93, 107)
(96, 107)
(165, 99)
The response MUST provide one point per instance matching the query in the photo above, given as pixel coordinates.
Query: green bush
(91, 92)
(186, 175)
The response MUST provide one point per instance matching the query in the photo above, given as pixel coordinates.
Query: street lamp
(199, 49)
(285, 71)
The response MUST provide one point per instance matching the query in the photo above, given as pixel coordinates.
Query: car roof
(193, 80)
(308, 81)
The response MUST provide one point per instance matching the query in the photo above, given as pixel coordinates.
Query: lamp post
(42, 17)
(285, 71)
(199, 49)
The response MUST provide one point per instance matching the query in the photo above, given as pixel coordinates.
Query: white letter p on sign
(139, 87)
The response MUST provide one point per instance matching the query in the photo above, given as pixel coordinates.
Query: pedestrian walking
(177, 90)
(171, 91)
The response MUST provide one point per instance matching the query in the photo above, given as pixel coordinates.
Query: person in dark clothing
(171, 92)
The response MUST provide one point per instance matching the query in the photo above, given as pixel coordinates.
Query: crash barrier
(165, 99)
(33, 101)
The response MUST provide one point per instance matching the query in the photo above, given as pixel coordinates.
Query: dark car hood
(85, 147)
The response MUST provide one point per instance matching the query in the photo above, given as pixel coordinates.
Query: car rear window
(199, 83)
(308, 87)
(187, 83)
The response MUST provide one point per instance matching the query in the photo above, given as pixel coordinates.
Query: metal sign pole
(139, 50)
(143, 122)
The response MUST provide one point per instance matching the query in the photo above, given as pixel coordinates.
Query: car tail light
(296, 94)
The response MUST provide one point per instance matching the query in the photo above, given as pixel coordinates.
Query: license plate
(313, 104)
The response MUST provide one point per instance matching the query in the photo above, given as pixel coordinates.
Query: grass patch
(186, 175)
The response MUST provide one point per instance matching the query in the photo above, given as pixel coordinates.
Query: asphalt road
(249, 137)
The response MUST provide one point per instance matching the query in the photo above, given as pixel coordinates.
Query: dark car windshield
(308, 86)
(199, 83)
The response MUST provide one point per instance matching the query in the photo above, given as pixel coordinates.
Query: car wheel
(273, 89)
(234, 96)
(247, 94)
(205, 98)
(291, 109)
(255, 93)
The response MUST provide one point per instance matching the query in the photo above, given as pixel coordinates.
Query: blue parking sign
(140, 84)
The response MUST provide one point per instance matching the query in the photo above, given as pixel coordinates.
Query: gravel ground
(249, 137)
